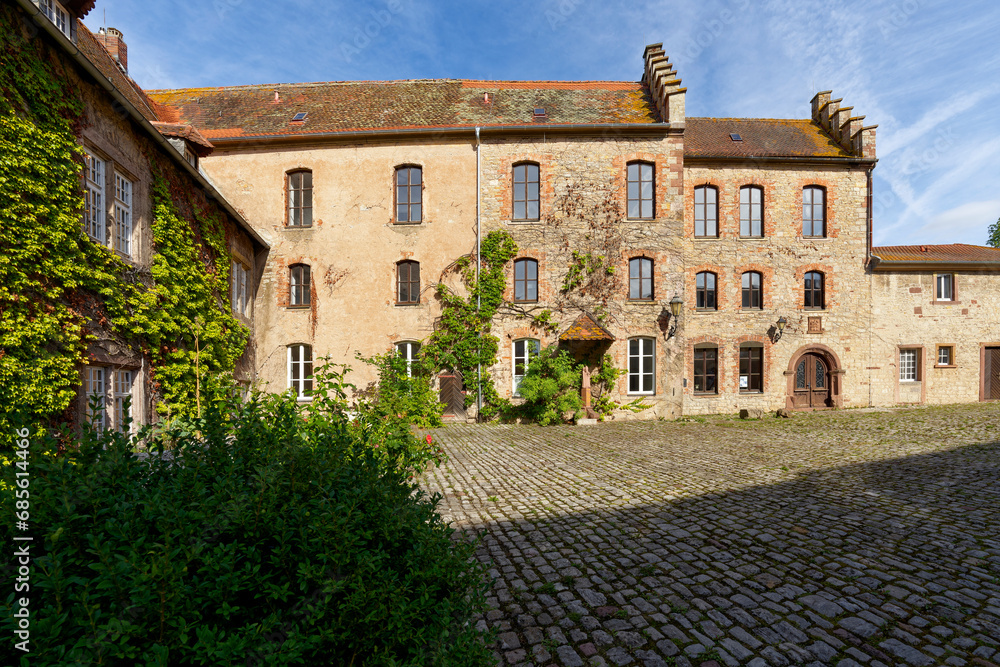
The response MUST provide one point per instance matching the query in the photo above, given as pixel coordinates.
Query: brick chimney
(842, 125)
(664, 86)
(115, 46)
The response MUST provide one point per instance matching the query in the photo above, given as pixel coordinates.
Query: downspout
(870, 261)
(479, 234)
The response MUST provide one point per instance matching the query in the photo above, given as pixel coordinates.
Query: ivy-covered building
(696, 265)
(127, 279)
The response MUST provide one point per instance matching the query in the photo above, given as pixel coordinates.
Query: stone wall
(782, 257)
(906, 314)
(583, 210)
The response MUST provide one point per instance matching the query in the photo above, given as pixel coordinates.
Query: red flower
(428, 439)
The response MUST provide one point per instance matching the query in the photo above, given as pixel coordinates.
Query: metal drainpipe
(479, 233)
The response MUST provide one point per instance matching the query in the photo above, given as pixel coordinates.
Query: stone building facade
(761, 228)
(125, 144)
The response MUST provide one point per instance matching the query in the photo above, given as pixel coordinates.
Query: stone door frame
(835, 374)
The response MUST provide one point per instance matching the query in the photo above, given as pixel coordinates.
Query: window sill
(640, 219)
(705, 394)
(706, 238)
(815, 238)
(751, 392)
(288, 227)
(749, 311)
(303, 307)
(640, 395)
(945, 366)
(641, 302)
(705, 311)
(814, 310)
(524, 302)
(753, 238)
(407, 304)
(408, 223)
(945, 303)
(523, 222)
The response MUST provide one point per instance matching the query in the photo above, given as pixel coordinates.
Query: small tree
(551, 387)
(994, 232)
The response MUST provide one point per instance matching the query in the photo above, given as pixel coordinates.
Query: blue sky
(927, 72)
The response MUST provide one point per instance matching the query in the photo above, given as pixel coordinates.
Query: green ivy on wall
(463, 340)
(55, 283)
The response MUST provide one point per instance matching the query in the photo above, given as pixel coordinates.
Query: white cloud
(962, 222)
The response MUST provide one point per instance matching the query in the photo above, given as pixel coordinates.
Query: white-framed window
(300, 371)
(945, 290)
(96, 394)
(93, 197)
(56, 13)
(640, 366)
(408, 350)
(946, 355)
(239, 293)
(123, 214)
(123, 381)
(525, 350)
(908, 362)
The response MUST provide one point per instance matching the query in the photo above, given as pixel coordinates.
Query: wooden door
(452, 395)
(812, 383)
(992, 372)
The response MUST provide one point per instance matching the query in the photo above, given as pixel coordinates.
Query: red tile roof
(202, 145)
(586, 327)
(761, 137)
(950, 253)
(342, 106)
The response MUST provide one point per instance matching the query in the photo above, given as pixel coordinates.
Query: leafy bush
(405, 393)
(263, 535)
(551, 387)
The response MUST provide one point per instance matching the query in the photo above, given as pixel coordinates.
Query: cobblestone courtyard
(846, 538)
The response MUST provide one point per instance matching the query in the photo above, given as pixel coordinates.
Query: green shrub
(551, 387)
(267, 535)
(405, 393)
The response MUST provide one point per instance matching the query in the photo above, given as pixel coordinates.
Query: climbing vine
(57, 286)
(462, 340)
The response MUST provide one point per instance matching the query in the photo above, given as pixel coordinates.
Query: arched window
(526, 181)
(409, 198)
(640, 190)
(641, 362)
(300, 370)
(751, 211)
(706, 370)
(814, 298)
(705, 291)
(751, 368)
(300, 185)
(706, 211)
(408, 351)
(753, 293)
(814, 211)
(525, 280)
(408, 282)
(640, 278)
(525, 350)
(298, 285)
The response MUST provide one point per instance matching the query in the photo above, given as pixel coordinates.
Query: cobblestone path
(847, 538)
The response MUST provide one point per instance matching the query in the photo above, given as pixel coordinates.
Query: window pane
(633, 172)
(519, 192)
(520, 210)
(532, 269)
(647, 208)
(415, 213)
(519, 267)
(633, 190)
(699, 228)
(415, 175)
(531, 290)
(401, 210)
(633, 208)
(532, 210)
(415, 194)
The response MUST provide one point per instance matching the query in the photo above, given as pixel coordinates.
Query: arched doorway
(814, 379)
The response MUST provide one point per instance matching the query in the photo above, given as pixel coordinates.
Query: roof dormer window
(56, 13)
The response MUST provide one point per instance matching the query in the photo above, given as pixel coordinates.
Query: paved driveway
(848, 538)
